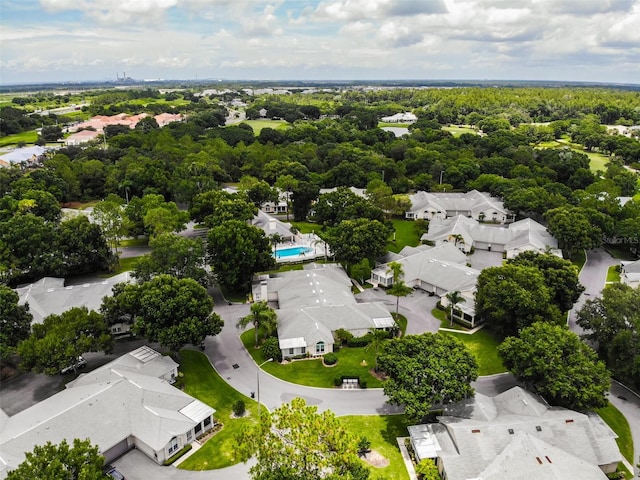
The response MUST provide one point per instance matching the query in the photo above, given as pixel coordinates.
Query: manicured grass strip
(619, 424)
(312, 372)
(405, 235)
(286, 267)
(579, 258)
(619, 252)
(203, 382)
(444, 320)
(307, 227)
(456, 130)
(124, 265)
(24, 137)
(258, 125)
(382, 432)
(613, 274)
(134, 242)
(402, 322)
(483, 345)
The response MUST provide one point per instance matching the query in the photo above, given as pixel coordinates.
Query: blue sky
(74, 40)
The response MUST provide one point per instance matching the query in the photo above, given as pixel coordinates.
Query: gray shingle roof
(107, 405)
(317, 301)
(476, 433)
(50, 295)
(473, 201)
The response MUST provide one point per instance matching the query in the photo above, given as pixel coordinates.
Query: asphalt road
(234, 364)
(594, 276)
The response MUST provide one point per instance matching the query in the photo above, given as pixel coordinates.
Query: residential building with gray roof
(516, 435)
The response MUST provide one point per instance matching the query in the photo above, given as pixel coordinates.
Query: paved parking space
(135, 465)
(481, 259)
(416, 307)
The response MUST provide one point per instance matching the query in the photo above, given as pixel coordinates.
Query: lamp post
(258, 384)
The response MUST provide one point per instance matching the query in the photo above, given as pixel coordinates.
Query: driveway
(593, 276)
(481, 259)
(416, 307)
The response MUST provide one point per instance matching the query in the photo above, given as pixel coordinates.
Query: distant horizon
(410, 82)
(56, 41)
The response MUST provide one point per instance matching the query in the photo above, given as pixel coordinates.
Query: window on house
(291, 351)
(303, 350)
(198, 428)
(207, 421)
(189, 436)
(173, 445)
(320, 347)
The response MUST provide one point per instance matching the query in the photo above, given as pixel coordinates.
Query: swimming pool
(292, 251)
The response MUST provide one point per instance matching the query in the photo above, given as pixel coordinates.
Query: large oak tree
(612, 322)
(80, 461)
(561, 368)
(427, 370)
(236, 251)
(296, 442)
(59, 340)
(15, 321)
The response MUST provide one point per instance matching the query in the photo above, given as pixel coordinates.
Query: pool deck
(306, 240)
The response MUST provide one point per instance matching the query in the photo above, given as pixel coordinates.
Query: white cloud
(326, 38)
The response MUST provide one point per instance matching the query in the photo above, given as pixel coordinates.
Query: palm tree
(398, 288)
(261, 316)
(457, 237)
(275, 240)
(454, 298)
(378, 337)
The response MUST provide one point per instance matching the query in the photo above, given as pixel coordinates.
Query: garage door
(114, 452)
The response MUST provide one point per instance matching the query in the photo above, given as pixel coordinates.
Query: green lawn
(124, 265)
(579, 258)
(258, 125)
(483, 344)
(620, 252)
(203, 382)
(405, 235)
(312, 372)
(613, 274)
(24, 137)
(457, 130)
(619, 424)
(597, 161)
(307, 227)
(134, 242)
(382, 432)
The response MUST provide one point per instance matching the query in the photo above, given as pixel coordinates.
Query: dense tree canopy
(352, 240)
(573, 229)
(560, 367)
(215, 207)
(169, 310)
(237, 251)
(612, 322)
(427, 370)
(342, 204)
(172, 254)
(561, 276)
(296, 442)
(80, 461)
(512, 297)
(59, 340)
(15, 321)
